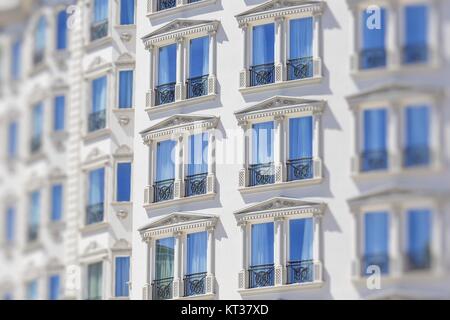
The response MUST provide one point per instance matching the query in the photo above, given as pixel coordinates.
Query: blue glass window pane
(300, 137)
(122, 276)
(417, 128)
(196, 252)
(123, 181)
(164, 258)
(263, 44)
(39, 37)
(12, 139)
(165, 160)
(376, 242)
(126, 12)
(126, 89)
(419, 237)
(54, 287)
(37, 125)
(167, 64)
(16, 52)
(198, 153)
(34, 213)
(262, 142)
(375, 129)
(301, 239)
(61, 34)
(301, 38)
(262, 244)
(32, 290)
(59, 113)
(100, 10)
(96, 186)
(199, 56)
(99, 94)
(416, 24)
(10, 224)
(57, 202)
(372, 36)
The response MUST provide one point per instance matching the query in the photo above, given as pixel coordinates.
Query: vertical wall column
(279, 149)
(438, 225)
(211, 161)
(317, 264)
(212, 62)
(316, 145)
(279, 254)
(279, 49)
(434, 33)
(177, 265)
(242, 277)
(436, 140)
(179, 87)
(317, 61)
(147, 292)
(243, 76)
(210, 262)
(179, 172)
(243, 176)
(151, 167)
(393, 26)
(395, 236)
(394, 136)
(150, 99)
(357, 133)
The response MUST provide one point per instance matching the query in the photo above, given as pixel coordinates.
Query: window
(96, 195)
(376, 242)
(59, 113)
(16, 53)
(8, 296)
(165, 90)
(12, 139)
(123, 183)
(417, 150)
(194, 279)
(373, 46)
(94, 281)
(299, 268)
(197, 174)
(122, 276)
(415, 49)
(300, 162)
(37, 127)
(61, 32)
(31, 290)
(97, 116)
(10, 223)
(262, 69)
(39, 41)
(197, 83)
(300, 63)
(57, 202)
(125, 89)
(374, 155)
(419, 239)
(165, 170)
(34, 216)
(164, 271)
(261, 270)
(126, 12)
(166, 4)
(99, 25)
(54, 287)
(261, 169)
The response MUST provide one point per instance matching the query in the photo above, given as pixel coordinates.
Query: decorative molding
(121, 244)
(125, 59)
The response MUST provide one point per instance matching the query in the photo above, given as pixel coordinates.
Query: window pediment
(180, 28)
(277, 8)
(176, 222)
(178, 124)
(279, 207)
(280, 106)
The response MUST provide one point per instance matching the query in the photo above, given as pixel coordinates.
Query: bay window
(374, 155)
(40, 41)
(373, 52)
(122, 276)
(376, 241)
(416, 28)
(417, 150)
(61, 31)
(97, 115)
(31, 290)
(95, 197)
(37, 127)
(99, 25)
(127, 12)
(95, 281)
(34, 213)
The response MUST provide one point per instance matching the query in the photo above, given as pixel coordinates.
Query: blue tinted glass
(263, 44)
(122, 276)
(100, 10)
(301, 239)
(375, 129)
(196, 252)
(165, 160)
(126, 89)
(61, 34)
(416, 24)
(12, 139)
(300, 138)
(96, 186)
(54, 287)
(99, 94)
(262, 142)
(374, 29)
(123, 181)
(57, 202)
(198, 153)
(199, 56)
(167, 64)
(59, 116)
(126, 12)
(262, 244)
(301, 38)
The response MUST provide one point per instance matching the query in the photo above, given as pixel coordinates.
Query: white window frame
(117, 96)
(113, 288)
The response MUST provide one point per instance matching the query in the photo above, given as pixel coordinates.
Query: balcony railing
(35, 144)
(38, 57)
(415, 53)
(162, 289)
(94, 213)
(165, 93)
(262, 74)
(195, 184)
(166, 4)
(32, 232)
(261, 276)
(194, 284)
(381, 260)
(192, 1)
(99, 29)
(197, 87)
(418, 260)
(262, 173)
(374, 160)
(163, 190)
(300, 68)
(97, 120)
(299, 169)
(372, 58)
(416, 156)
(299, 271)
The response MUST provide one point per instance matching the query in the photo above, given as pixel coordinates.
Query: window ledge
(97, 134)
(33, 246)
(184, 200)
(285, 287)
(281, 185)
(179, 8)
(92, 45)
(36, 69)
(206, 296)
(393, 172)
(282, 84)
(36, 156)
(95, 227)
(185, 102)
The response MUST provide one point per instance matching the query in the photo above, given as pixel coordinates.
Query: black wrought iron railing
(163, 190)
(299, 169)
(262, 74)
(374, 160)
(415, 53)
(94, 213)
(162, 289)
(32, 232)
(416, 156)
(195, 184)
(381, 260)
(99, 29)
(35, 143)
(197, 87)
(261, 276)
(192, 1)
(97, 120)
(418, 260)
(300, 68)
(165, 93)
(194, 284)
(372, 58)
(166, 4)
(38, 57)
(299, 271)
(262, 173)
